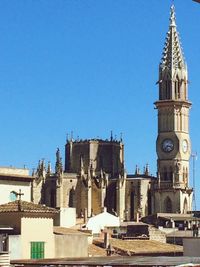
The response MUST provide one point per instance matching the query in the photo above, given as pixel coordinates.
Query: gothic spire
(58, 167)
(172, 58)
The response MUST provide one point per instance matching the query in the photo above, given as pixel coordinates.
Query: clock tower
(172, 192)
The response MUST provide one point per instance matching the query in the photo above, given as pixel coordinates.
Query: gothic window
(167, 84)
(177, 85)
(179, 89)
(181, 121)
(168, 205)
(149, 202)
(169, 88)
(166, 90)
(132, 206)
(53, 198)
(170, 174)
(117, 163)
(165, 176)
(72, 198)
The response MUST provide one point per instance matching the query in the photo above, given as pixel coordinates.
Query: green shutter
(37, 250)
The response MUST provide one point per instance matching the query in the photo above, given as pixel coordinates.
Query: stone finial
(41, 169)
(33, 172)
(121, 137)
(72, 135)
(67, 138)
(172, 16)
(146, 169)
(58, 167)
(82, 166)
(137, 170)
(111, 136)
(49, 168)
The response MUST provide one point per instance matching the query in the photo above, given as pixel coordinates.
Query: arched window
(165, 176)
(177, 85)
(72, 198)
(179, 89)
(167, 89)
(170, 174)
(168, 205)
(13, 196)
(53, 198)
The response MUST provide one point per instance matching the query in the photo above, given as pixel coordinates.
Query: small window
(13, 196)
(37, 250)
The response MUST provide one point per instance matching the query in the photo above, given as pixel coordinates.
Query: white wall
(7, 186)
(15, 247)
(37, 230)
(67, 217)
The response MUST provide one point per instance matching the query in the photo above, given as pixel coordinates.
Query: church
(93, 176)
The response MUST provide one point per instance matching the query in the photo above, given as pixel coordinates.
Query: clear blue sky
(88, 66)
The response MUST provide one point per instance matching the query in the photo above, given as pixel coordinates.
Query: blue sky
(89, 66)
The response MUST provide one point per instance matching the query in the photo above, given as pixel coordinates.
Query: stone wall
(71, 245)
(156, 235)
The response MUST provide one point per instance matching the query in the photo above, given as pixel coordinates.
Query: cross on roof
(19, 194)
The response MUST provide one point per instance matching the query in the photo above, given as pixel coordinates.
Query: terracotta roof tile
(24, 206)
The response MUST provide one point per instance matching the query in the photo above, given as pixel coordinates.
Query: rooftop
(142, 247)
(95, 140)
(176, 216)
(24, 206)
(111, 261)
(68, 231)
(14, 170)
(12, 173)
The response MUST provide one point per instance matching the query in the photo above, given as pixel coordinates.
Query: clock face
(185, 146)
(167, 145)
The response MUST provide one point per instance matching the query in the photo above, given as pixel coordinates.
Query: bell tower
(173, 145)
